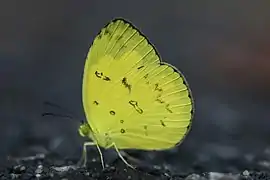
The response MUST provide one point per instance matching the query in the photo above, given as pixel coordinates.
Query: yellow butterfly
(131, 99)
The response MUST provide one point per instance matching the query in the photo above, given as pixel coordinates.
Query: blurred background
(222, 47)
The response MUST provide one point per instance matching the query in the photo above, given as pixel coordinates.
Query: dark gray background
(222, 47)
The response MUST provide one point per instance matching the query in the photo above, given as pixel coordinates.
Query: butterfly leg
(122, 158)
(83, 160)
(101, 157)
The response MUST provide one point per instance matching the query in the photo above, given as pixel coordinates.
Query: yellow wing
(130, 97)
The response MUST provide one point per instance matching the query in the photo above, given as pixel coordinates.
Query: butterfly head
(84, 129)
(101, 139)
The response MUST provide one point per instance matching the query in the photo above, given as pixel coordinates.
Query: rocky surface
(42, 167)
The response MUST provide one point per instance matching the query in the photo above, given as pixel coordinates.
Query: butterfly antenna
(68, 116)
(57, 106)
(57, 115)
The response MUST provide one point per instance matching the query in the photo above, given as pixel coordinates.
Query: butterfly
(131, 99)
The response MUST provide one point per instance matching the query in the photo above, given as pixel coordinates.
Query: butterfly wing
(130, 96)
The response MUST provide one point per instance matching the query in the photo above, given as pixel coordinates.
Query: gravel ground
(43, 167)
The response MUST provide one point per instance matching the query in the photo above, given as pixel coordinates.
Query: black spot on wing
(96, 103)
(126, 84)
(99, 36)
(158, 88)
(162, 123)
(136, 106)
(112, 113)
(99, 74)
(160, 101)
(146, 76)
(107, 32)
(106, 78)
(168, 108)
(102, 76)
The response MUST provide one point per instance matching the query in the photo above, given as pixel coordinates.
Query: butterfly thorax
(103, 140)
